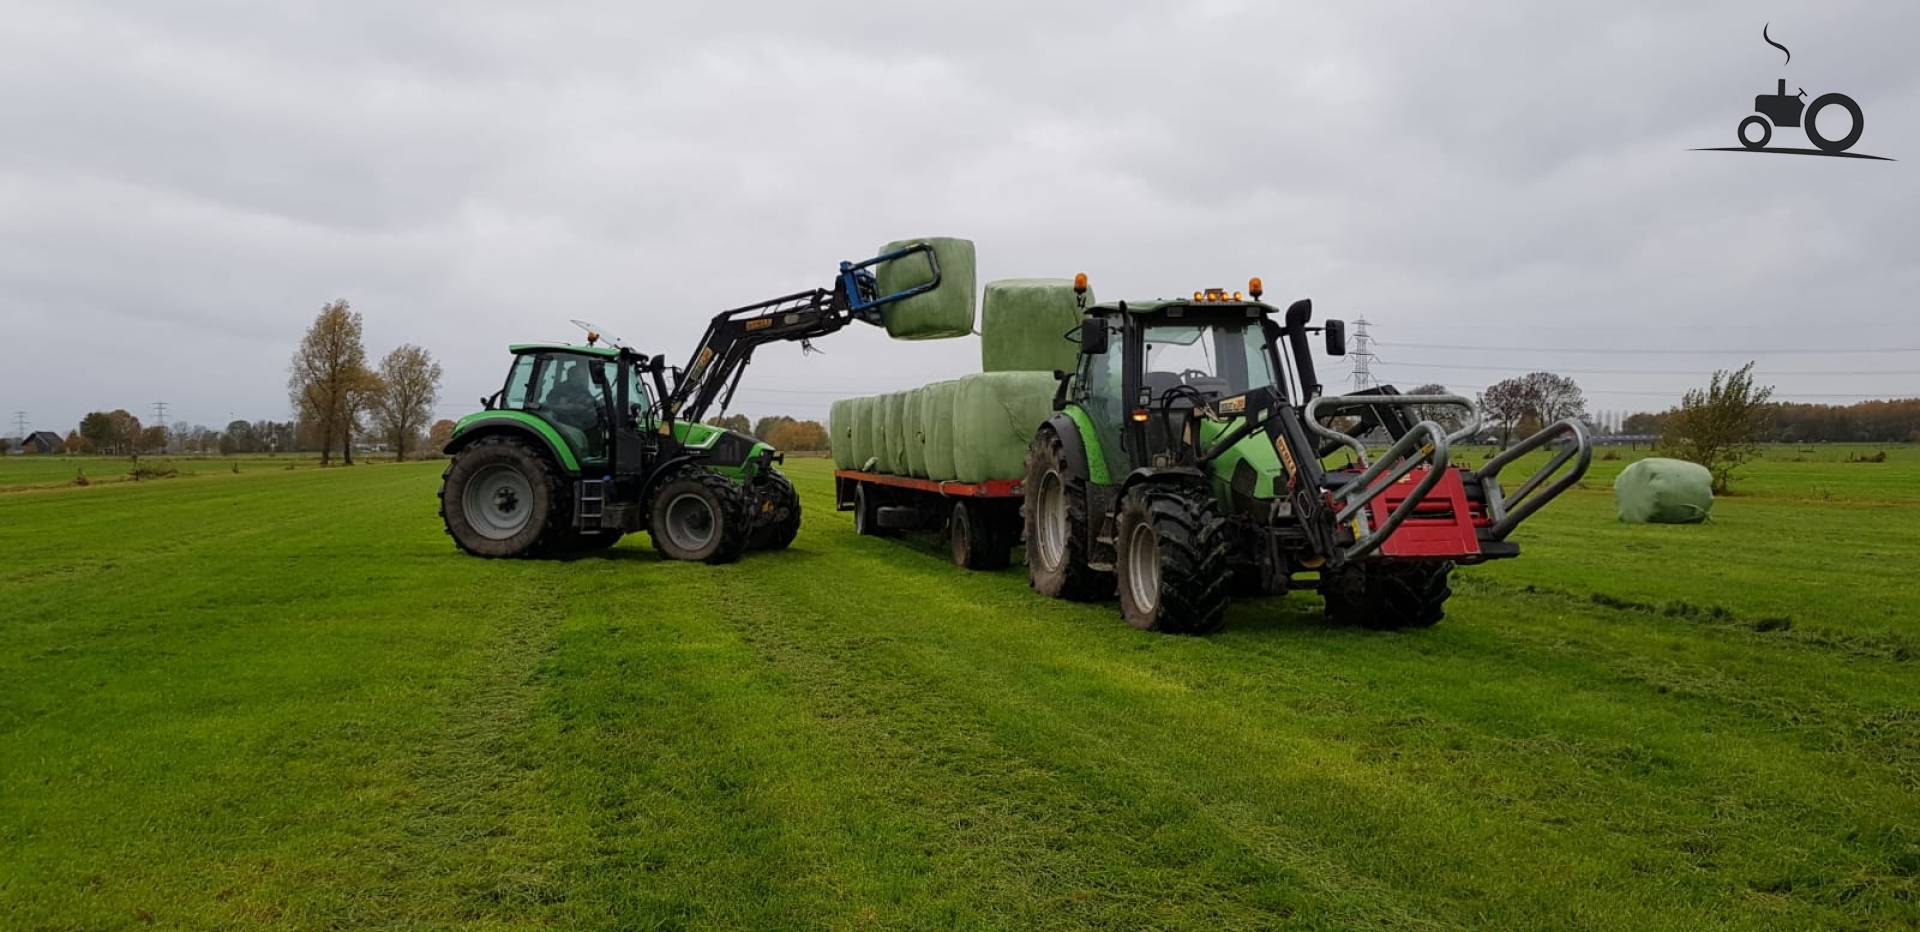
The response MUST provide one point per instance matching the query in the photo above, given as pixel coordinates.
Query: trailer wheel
(978, 543)
(699, 515)
(866, 512)
(1172, 562)
(1388, 596)
(1055, 502)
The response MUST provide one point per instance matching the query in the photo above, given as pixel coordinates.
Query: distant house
(42, 441)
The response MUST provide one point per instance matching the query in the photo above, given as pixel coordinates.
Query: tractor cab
(593, 399)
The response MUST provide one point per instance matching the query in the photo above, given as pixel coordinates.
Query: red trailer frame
(982, 519)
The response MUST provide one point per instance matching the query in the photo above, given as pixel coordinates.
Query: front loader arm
(713, 372)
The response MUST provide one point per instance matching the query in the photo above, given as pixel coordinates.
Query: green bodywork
(519, 420)
(605, 352)
(1090, 441)
(1255, 450)
(691, 436)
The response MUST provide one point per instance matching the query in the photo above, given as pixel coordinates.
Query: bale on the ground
(1024, 322)
(995, 417)
(946, 310)
(1657, 490)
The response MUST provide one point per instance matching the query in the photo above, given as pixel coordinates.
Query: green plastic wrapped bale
(916, 431)
(866, 431)
(936, 420)
(840, 432)
(897, 432)
(995, 415)
(1023, 322)
(945, 311)
(1663, 491)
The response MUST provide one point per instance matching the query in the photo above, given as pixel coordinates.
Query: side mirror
(1093, 335)
(1336, 337)
(657, 365)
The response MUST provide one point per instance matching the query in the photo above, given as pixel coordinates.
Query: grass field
(280, 698)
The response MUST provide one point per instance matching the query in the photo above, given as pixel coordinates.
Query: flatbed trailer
(982, 519)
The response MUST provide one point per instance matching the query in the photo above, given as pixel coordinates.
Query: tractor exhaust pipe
(1298, 314)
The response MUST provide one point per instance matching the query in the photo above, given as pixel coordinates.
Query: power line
(1654, 350)
(1692, 372)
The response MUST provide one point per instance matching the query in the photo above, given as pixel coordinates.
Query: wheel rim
(498, 502)
(1143, 568)
(1050, 524)
(691, 522)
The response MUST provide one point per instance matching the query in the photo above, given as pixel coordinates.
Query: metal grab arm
(1426, 444)
(1336, 403)
(1507, 511)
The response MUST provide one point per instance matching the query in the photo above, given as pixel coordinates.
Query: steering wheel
(1188, 375)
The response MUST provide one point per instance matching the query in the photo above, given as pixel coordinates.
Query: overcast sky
(183, 185)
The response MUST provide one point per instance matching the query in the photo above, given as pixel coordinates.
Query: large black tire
(699, 515)
(1811, 122)
(776, 512)
(502, 497)
(1055, 506)
(1172, 561)
(1388, 596)
(977, 537)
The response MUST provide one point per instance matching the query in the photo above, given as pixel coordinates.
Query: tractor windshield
(1220, 359)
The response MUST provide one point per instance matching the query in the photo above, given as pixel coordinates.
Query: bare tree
(328, 380)
(1720, 426)
(1449, 417)
(1505, 403)
(409, 386)
(1554, 397)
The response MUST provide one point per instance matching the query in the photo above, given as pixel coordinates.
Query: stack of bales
(975, 428)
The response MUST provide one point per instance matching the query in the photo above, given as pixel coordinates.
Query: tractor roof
(1166, 305)
(606, 351)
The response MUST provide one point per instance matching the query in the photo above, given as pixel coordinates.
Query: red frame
(992, 488)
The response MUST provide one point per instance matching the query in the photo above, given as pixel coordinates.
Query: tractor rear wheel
(776, 517)
(699, 515)
(1172, 564)
(1388, 596)
(500, 497)
(1056, 524)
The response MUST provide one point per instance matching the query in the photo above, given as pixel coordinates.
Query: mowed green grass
(281, 698)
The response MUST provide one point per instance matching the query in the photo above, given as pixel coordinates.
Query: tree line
(1882, 421)
(778, 431)
(336, 395)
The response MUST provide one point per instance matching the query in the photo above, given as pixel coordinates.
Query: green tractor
(1185, 465)
(585, 444)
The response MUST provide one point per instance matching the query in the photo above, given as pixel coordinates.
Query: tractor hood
(727, 451)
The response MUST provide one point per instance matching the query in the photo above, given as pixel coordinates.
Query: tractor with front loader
(583, 444)
(1184, 464)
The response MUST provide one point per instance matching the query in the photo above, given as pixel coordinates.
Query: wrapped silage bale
(866, 432)
(895, 433)
(945, 311)
(1024, 322)
(1663, 491)
(916, 431)
(840, 432)
(995, 415)
(936, 420)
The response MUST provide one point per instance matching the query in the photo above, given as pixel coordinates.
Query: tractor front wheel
(1388, 596)
(502, 498)
(1172, 564)
(699, 515)
(776, 518)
